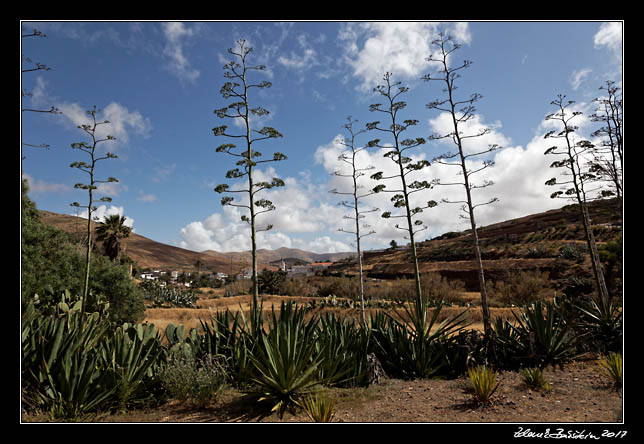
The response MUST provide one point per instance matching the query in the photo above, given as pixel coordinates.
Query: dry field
(209, 305)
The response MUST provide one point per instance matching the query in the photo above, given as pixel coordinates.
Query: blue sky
(158, 84)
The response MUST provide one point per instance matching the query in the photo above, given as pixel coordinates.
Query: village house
(307, 270)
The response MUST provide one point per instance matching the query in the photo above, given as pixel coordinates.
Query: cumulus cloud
(122, 122)
(178, 64)
(519, 174)
(609, 36)
(373, 48)
(303, 212)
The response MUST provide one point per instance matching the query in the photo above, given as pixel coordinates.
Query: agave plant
(132, 356)
(61, 368)
(601, 320)
(410, 344)
(545, 338)
(285, 361)
(344, 346)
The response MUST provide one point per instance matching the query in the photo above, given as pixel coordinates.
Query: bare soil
(579, 394)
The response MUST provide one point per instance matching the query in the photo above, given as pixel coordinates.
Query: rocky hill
(532, 242)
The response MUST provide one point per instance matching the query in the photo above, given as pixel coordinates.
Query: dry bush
(520, 287)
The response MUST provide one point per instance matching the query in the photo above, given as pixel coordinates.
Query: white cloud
(146, 197)
(519, 175)
(102, 211)
(578, 77)
(178, 63)
(301, 209)
(373, 48)
(162, 173)
(322, 244)
(40, 186)
(122, 122)
(305, 61)
(609, 36)
(442, 125)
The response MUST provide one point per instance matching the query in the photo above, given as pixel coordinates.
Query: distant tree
(355, 173)
(573, 154)
(397, 148)
(270, 282)
(461, 111)
(89, 169)
(111, 232)
(393, 244)
(608, 157)
(238, 90)
(198, 264)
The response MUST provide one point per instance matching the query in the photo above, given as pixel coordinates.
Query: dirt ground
(579, 394)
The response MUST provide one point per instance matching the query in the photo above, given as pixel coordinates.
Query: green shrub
(319, 407)
(483, 383)
(600, 322)
(533, 378)
(520, 287)
(166, 296)
(573, 252)
(611, 367)
(228, 335)
(270, 282)
(197, 381)
(540, 335)
(133, 355)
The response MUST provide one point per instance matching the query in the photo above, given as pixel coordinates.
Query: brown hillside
(527, 243)
(505, 246)
(151, 254)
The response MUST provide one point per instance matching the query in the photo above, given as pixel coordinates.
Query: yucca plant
(285, 362)
(611, 367)
(483, 382)
(533, 378)
(319, 406)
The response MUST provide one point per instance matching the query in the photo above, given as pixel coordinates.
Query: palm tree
(110, 233)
